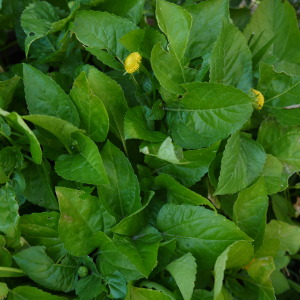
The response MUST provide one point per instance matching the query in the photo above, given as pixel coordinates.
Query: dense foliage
(149, 150)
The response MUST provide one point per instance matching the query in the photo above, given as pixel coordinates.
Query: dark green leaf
(243, 160)
(207, 113)
(45, 97)
(89, 287)
(41, 268)
(39, 189)
(135, 293)
(7, 89)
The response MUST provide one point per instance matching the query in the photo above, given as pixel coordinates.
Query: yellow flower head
(132, 62)
(259, 99)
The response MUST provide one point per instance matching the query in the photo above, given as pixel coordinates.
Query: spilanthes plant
(174, 181)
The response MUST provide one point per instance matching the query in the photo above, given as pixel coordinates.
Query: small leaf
(7, 89)
(184, 271)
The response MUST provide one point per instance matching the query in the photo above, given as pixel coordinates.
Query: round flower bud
(259, 99)
(82, 271)
(132, 62)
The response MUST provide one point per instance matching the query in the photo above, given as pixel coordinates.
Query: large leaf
(96, 29)
(91, 110)
(176, 32)
(7, 89)
(207, 113)
(179, 194)
(16, 122)
(187, 167)
(231, 63)
(281, 94)
(9, 212)
(282, 142)
(236, 255)
(184, 270)
(41, 229)
(112, 96)
(250, 211)
(196, 229)
(39, 189)
(31, 293)
(44, 96)
(243, 160)
(80, 220)
(86, 166)
(40, 268)
(274, 34)
(121, 195)
(207, 24)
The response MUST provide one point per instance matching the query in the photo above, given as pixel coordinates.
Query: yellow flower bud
(132, 62)
(259, 99)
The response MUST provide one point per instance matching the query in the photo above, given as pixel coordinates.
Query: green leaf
(36, 21)
(3, 290)
(234, 256)
(231, 63)
(281, 94)
(184, 271)
(117, 285)
(80, 220)
(17, 123)
(40, 268)
(259, 271)
(121, 194)
(276, 179)
(169, 78)
(135, 293)
(39, 189)
(131, 9)
(196, 229)
(7, 89)
(274, 33)
(95, 29)
(112, 96)
(176, 32)
(179, 194)
(5, 256)
(207, 24)
(89, 287)
(143, 40)
(44, 96)
(134, 258)
(207, 113)
(41, 229)
(282, 142)
(193, 164)
(288, 236)
(250, 211)
(85, 166)
(9, 212)
(62, 129)
(243, 160)
(138, 126)
(91, 110)
(31, 293)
